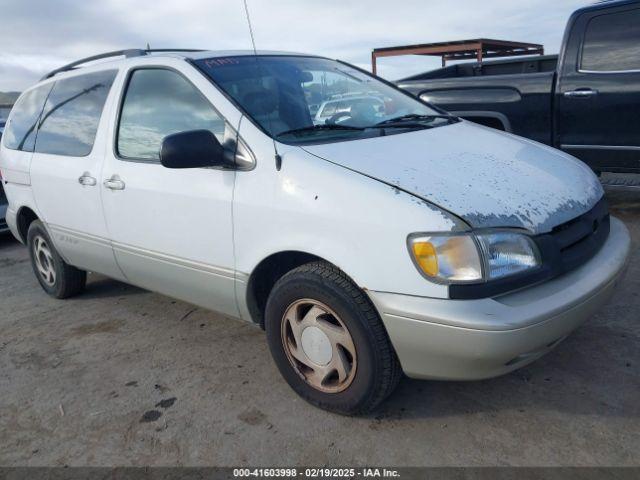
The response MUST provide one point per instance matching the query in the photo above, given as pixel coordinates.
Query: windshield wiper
(316, 128)
(413, 117)
(404, 121)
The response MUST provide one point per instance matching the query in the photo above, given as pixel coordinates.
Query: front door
(598, 103)
(171, 229)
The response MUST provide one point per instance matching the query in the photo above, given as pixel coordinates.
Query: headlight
(473, 257)
(508, 253)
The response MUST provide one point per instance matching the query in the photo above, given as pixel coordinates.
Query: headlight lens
(508, 253)
(471, 258)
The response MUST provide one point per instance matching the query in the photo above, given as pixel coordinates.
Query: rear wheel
(328, 340)
(57, 278)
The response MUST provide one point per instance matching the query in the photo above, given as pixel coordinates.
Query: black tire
(378, 369)
(65, 281)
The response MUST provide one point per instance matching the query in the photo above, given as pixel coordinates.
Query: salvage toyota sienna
(384, 236)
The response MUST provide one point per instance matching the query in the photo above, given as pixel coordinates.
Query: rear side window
(160, 102)
(20, 132)
(71, 115)
(612, 43)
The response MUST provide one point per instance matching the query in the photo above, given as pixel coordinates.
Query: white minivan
(392, 237)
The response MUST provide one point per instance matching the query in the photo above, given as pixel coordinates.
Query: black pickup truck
(585, 101)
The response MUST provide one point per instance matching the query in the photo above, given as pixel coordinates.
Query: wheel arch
(265, 275)
(24, 218)
(496, 120)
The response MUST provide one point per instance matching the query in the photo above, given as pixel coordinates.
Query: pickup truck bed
(510, 95)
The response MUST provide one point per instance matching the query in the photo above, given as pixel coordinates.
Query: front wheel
(57, 278)
(328, 340)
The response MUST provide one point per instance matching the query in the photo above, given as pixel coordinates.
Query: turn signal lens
(447, 258)
(426, 257)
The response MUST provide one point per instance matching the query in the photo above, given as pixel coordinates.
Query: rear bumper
(474, 339)
(11, 223)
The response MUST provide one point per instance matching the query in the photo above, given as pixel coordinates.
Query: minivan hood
(487, 178)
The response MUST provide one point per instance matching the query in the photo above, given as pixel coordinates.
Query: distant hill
(8, 97)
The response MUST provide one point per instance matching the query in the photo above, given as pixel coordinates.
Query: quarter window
(20, 132)
(612, 43)
(72, 113)
(160, 102)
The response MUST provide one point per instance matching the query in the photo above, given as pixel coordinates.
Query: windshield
(301, 99)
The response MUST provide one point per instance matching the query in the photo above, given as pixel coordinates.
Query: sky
(40, 35)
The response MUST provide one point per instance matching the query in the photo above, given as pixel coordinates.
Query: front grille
(578, 240)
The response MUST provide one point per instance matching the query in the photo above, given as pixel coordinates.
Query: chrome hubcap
(44, 260)
(319, 346)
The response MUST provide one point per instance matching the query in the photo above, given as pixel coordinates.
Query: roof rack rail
(185, 50)
(133, 52)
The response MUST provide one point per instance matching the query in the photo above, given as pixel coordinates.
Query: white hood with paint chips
(486, 177)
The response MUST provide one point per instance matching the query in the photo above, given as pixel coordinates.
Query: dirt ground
(122, 376)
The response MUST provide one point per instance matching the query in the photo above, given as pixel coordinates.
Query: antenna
(255, 54)
(253, 40)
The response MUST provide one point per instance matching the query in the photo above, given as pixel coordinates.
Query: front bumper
(473, 339)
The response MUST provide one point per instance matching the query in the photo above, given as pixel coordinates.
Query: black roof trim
(605, 4)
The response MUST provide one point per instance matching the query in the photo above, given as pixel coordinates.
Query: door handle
(86, 180)
(581, 93)
(114, 183)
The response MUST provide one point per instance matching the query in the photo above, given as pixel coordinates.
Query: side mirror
(192, 149)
